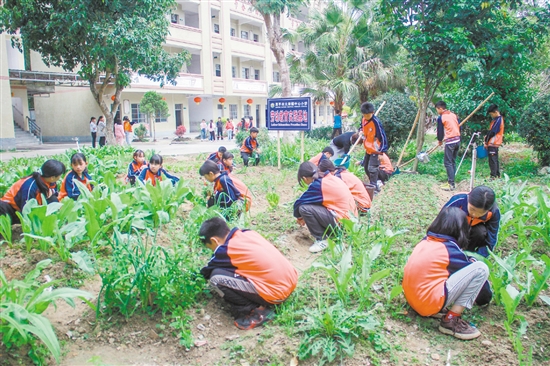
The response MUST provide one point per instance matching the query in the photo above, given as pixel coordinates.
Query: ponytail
(51, 168)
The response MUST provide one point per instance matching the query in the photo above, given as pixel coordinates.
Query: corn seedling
(5, 229)
(341, 274)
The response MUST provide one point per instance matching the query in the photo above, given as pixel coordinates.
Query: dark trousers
(493, 161)
(94, 136)
(485, 295)
(6, 209)
(246, 158)
(371, 164)
(336, 132)
(237, 291)
(477, 240)
(451, 152)
(212, 135)
(383, 176)
(220, 133)
(101, 141)
(319, 221)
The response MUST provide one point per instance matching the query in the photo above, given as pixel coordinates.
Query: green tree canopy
(104, 41)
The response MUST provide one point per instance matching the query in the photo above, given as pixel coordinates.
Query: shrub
(319, 133)
(140, 131)
(535, 127)
(397, 116)
(180, 131)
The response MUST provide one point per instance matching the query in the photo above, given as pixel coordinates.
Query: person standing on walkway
(493, 140)
(337, 128)
(229, 128)
(212, 131)
(203, 130)
(219, 128)
(101, 128)
(448, 131)
(93, 130)
(119, 133)
(128, 131)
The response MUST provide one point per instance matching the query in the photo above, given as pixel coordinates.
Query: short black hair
(453, 222)
(482, 197)
(78, 158)
(367, 108)
(208, 167)
(329, 150)
(326, 166)
(156, 159)
(254, 129)
(215, 226)
(337, 111)
(307, 170)
(222, 149)
(441, 104)
(492, 108)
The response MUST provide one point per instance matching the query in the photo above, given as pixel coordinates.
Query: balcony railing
(183, 81)
(184, 34)
(249, 86)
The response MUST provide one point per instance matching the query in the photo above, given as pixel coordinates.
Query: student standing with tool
(493, 140)
(448, 131)
(375, 141)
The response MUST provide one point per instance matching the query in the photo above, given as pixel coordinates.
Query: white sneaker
(379, 184)
(318, 246)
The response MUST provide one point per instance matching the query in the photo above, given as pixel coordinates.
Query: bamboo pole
(477, 109)
(408, 138)
(278, 149)
(380, 108)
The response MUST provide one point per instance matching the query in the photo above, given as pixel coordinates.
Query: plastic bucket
(481, 152)
(370, 190)
(338, 162)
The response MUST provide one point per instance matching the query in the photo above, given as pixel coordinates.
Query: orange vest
(243, 190)
(385, 164)
(9, 197)
(357, 190)
(496, 140)
(127, 126)
(337, 197)
(450, 124)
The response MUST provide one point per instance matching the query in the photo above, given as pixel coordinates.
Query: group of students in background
(213, 131)
(122, 130)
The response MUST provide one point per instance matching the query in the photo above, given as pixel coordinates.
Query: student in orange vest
(247, 271)
(448, 131)
(216, 156)
(327, 153)
(226, 162)
(326, 201)
(228, 190)
(154, 172)
(128, 130)
(483, 217)
(375, 142)
(136, 166)
(78, 173)
(36, 185)
(354, 184)
(493, 140)
(251, 148)
(386, 170)
(440, 280)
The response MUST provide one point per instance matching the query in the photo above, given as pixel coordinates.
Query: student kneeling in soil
(326, 154)
(440, 280)
(247, 271)
(354, 184)
(326, 201)
(483, 217)
(228, 190)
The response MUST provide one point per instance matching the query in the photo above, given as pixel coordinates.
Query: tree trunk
(108, 113)
(421, 130)
(276, 42)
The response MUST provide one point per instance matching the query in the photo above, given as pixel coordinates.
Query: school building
(229, 75)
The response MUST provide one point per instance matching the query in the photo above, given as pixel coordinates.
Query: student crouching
(440, 281)
(247, 271)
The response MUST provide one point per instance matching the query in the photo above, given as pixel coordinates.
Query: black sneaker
(441, 314)
(252, 320)
(458, 328)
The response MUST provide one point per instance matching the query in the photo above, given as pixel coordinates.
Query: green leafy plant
(22, 304)
(510, 300)
(537, 282)
(535, 128)
(5, 229)
(329, 332)
(273, 199)
(341, 274)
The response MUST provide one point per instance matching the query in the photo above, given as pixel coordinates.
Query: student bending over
(326, 154)
(33, 186)
(226, 162)
(247, 271)
(153, 173)
(441, 281)
(78, 173)
(216, 157)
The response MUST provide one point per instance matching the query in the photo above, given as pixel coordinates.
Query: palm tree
(349, 55)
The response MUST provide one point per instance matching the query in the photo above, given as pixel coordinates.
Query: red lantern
(113, 97)
(249, 101)
(331, 103)
(221, 100)
(197, 100)
(317, 103)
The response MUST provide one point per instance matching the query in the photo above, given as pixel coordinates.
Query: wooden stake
(408, 138)
(302, 147)
(279, 150)
(477, 109)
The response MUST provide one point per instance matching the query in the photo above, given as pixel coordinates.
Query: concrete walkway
(162, 146)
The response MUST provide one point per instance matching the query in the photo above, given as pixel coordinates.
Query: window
(233, 71)
(159, 118)
(246, 110)
(137, 115)
(217, 28)
(276, 77)
(244, 34)
(218, 70)
(232, 111)
(245, 73)
(233, 32)
(256, 74)
(256, 38)
(174, 18)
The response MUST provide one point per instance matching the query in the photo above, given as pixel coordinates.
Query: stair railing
(35, 129)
